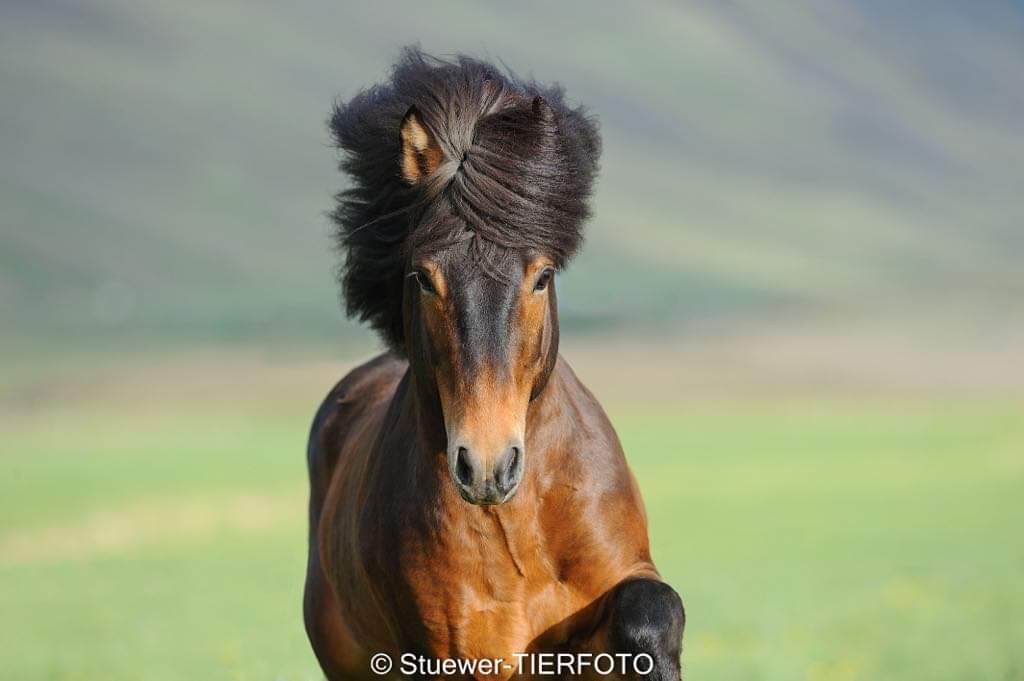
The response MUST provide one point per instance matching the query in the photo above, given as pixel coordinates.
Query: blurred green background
(801, 302)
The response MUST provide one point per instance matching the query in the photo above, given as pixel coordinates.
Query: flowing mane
(516, 173)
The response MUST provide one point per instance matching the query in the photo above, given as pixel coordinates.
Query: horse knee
(648, 618)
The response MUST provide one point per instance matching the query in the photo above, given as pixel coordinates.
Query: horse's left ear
(421, 154)
(542, 110)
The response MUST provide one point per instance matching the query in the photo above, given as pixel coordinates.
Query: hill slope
(165, 170)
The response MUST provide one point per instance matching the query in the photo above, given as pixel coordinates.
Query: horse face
(489, 344)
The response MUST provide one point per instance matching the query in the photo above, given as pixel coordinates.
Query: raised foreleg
(640, 632)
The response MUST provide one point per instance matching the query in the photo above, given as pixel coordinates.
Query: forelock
(517, 170)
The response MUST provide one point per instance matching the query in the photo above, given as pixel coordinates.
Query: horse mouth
(488, 500)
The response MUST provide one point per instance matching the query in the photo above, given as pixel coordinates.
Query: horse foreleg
(642, 629)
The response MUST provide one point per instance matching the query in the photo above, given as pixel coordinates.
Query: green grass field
(161, 536)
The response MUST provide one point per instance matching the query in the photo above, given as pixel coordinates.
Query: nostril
(513, 462)
(512, 469)
(463, 471)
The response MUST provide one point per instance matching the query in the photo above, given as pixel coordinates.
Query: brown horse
(469, 498)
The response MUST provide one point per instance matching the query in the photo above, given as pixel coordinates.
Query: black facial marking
(484, 309)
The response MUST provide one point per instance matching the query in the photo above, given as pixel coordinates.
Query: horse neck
(422, 406)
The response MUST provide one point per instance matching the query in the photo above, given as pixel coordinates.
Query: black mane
(518, 168)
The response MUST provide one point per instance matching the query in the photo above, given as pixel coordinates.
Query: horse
(469, 498)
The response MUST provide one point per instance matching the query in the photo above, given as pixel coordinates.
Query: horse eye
(423, 280)
(544, 279)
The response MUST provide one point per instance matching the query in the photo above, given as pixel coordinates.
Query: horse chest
(484, 591)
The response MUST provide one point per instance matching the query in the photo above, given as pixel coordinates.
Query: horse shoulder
(597, 489)
(362, 391)
(351, 407)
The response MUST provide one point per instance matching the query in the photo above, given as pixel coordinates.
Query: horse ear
(542, 110)
(421, 154)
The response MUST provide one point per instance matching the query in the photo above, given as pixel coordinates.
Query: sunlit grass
(844, 540)
(840, 539)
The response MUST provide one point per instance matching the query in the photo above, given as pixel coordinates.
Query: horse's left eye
(423, 279)
(544, 279)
